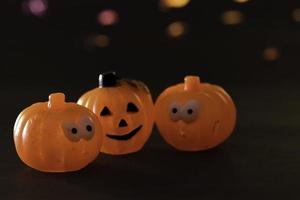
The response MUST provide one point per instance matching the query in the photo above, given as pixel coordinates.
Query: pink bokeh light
(35, 7)
(108, 17)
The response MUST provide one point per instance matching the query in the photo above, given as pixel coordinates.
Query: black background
(260, 160)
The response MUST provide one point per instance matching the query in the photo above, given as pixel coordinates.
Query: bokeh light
(271, 54)
(296, 15)
(174, 3)
(35, 7)
(96, 41)
(101, 41)
(232, 17)
(108, 17)
(241, 1)
(176, 29)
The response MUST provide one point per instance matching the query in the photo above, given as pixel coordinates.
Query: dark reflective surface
(261, 159)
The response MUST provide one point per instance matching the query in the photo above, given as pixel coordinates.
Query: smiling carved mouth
(126, 136)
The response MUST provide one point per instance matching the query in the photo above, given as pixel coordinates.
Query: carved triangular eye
(105, 112)
(131, 107)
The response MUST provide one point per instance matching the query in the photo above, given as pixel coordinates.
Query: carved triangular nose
(122, 123)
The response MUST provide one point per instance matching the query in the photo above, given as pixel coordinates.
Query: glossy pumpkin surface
(125, 109)
(56, 136)
(195, 116)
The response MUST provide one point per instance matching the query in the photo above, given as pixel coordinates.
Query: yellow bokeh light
(176, 29)
(296, 15)
(232, 17)
(240, 1)
(271, 54)
(174, 3)
(101, 41)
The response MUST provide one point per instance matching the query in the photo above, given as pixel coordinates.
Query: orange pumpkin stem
(56, 101)
(191, 83)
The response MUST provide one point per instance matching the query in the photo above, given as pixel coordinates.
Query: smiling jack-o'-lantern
(125, 109)
(56, 136)
(194, 116)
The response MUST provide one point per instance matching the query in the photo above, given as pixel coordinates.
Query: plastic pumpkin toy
(195, 116)
(125, 108)
(56, 136)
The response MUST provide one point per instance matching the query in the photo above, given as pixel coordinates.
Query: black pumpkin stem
(108, 79)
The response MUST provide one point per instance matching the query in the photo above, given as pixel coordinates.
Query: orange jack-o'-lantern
(125, 109)
(194, 116)
(56, 136)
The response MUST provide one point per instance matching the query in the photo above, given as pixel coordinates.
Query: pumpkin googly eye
(74, 131)
(174, 112)
(132, 108)
(190, 111)
(89, 131)
(105, 112)
(87, 128)
(71, 131)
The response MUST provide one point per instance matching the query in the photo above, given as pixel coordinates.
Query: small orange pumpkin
(125, 109)
(56, 136)
(194, 116)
